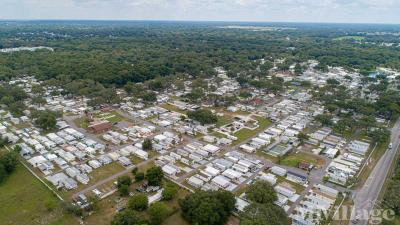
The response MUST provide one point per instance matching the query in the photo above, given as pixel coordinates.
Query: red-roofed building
(100, 127)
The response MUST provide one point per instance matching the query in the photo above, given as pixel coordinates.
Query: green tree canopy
(128, 217)
(154, 176)
(204, 116)
(261, 192)
(138, 202)
(170, 191)
(158, 212)
(211, 208)
(263, 214)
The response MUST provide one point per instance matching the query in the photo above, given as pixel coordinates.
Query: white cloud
(259, 10)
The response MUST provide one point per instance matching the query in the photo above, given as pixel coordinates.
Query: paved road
(71, 123)
(366, 197)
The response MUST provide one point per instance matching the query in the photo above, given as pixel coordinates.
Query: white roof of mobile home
(211, 148)
(221, 181)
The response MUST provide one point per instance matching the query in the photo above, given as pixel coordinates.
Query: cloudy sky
(347, 11)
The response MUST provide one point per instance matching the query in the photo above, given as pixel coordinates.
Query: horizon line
(199, 21)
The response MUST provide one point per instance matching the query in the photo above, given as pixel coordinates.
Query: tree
(195, 95)
(340, 127)
(266, 66)
(39, 100)
(3, 141)
(302, 136)
(124, 180)
(154, 176)
(147, 145)
(380, 135)
(138, 202)
(8, 163)
(46, 120)
(261, 192)
(169, 192)
(158, 212)
(332, 81)
(123, 183)
(123, 190)
(37, 89)
(204, 116)
(263, 214)
(298, 69)
(139, 176)
(17, 149)
(324, 119)
(73, 209)
(9, 160)
(127, 217)
(3, 173)
(245, 94)
(149, 97)
(211, 207)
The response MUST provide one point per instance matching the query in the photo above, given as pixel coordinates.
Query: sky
(334, 11)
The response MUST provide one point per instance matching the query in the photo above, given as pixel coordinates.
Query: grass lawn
(82, 122)
(150, 118)
(105, 212)
(348, 202)
(294, 159)
(112, 117)
(264, 155)
(95, 176)
(24, 200)
(146, 166)
(175, 219)
(135, 160)
(218, 135)
(22, 125)
(223, 120)
(299, 189)
(172, 108)
(244, 134)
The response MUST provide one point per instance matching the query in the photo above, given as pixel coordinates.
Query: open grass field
(112, 117)
(218, 135)
(223, 120)
(175, 219)
(22, 125)
(106, 209)
(24, 200)
(264, 155)
(294, 159)
(244, 134)
(297, 187)
(173, 108)
(82, 122)
(355, 38)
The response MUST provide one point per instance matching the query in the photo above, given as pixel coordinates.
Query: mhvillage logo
(374, 213)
